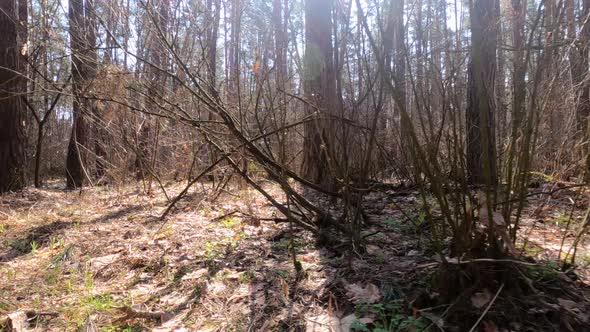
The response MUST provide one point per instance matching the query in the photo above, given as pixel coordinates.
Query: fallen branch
(131, 313)
(224, 216)
(488, 260)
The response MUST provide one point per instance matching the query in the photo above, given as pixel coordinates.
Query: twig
(131, 313)
(550, 192)
(487, 308)
(224, 216)
(34, 314)
(490, 260)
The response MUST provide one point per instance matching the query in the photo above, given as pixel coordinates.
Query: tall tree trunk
(501, 110)
(579, 59)
(551, 73)
(280, 60)
(419, 39)
(12, 155)
(234, 56)
(481, 147)
(320, 90)
(213, 16)
(45, 70)
(91, 56)
(78, 140)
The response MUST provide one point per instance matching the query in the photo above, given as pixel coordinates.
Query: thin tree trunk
(320, 90)
(579, 67)
(38, 152)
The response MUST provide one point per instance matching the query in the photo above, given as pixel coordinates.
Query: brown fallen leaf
(346, 322)
(373, 250)
(257, 296)
(566, 304)
(357, 293)
(480, 299)
(489, 326)
(17, 321)
(322, 323)
(498, 221)
(284, 288)
(330, 323)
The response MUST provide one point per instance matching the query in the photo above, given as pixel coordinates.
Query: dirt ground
(101, 260)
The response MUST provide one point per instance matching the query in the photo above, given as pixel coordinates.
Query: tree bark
(12, 155)
(481, 147)
(579, 60)
(79, 43)
(320, 90)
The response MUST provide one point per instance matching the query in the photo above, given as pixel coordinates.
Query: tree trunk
(280, 60)
(12, 172)
(38, 152)
(79, 45)
(320, 89)
(100, 133)
(579, 59)
(213, 16)
(481, 147)
(500, 87)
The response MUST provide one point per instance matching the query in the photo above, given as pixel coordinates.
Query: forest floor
(101, 260)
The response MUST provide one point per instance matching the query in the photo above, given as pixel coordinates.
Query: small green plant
(209, 248)
(230, 222)
(37, 301)
(34, 247)
(359, 326)
(533, 250)
(247, 276)
(389, 316)
(1, 228)
(52, 276)
(98, 303)
(62, 256)
(393, 223)
(165, 232)
(116, 328)
(407, 227)
(68, 286)
(546, 177)
(88, 282)
(544, 273)
(281, 273)
(380, 258)
(10, 273)
(561, 219)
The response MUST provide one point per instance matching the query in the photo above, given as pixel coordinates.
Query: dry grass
(86, 254)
